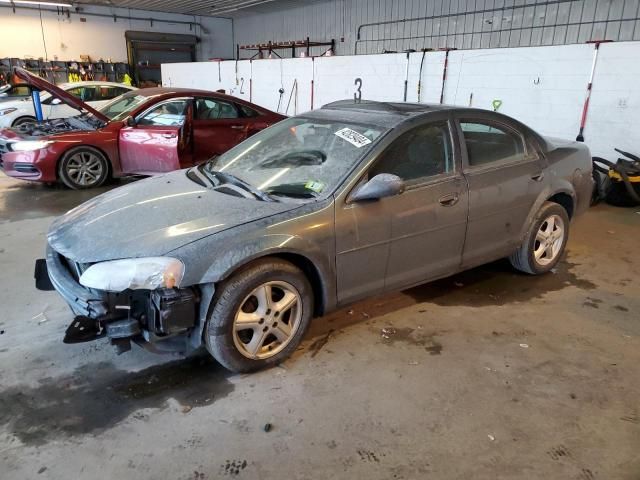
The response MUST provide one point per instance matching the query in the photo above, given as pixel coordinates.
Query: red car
(143, 132)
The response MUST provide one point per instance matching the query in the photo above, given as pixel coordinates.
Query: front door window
(166, 114)
(420, 153)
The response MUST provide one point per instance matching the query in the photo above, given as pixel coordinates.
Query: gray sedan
(315, 212)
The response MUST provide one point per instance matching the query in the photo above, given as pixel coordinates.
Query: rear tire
(259, 316)
(83, 167)
(545, 242)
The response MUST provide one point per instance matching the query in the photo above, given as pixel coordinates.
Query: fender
(277, 245)
(560, 185)
(240, 256)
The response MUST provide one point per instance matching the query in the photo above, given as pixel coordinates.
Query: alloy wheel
(549, 240)
(85, 168)
(267, 320)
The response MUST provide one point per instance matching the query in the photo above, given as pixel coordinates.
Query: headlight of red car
(29, 145)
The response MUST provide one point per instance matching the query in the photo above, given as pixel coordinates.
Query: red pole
(585, 107)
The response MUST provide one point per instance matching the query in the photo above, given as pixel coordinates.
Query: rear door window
(108, 92)
(79, 92)
(488, 142)
(214, 109)
(248, 112)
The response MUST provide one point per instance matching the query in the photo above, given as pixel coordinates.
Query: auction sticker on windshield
(314, 186)
(354, 138)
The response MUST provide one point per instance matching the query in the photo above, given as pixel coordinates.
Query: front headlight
(29, 145)
(7, 111)
(134, 273)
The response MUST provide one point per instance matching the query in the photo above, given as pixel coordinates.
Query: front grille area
(25, 168)
(3, 149)
(74, 268)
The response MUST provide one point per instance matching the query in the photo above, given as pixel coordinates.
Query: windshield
(120, 107)
(298, 157)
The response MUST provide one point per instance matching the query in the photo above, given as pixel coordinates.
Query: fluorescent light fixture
(34, 2)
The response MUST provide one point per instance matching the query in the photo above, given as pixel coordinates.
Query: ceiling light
(34, 2)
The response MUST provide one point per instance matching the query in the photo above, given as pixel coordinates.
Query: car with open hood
(142, 132)
(315, 212)
(96, 94)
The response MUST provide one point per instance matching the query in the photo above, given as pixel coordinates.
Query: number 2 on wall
(357, 96)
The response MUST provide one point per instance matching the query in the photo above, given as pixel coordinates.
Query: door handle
(169, 135)
(237, 127)
(537, 177)
(449, 200)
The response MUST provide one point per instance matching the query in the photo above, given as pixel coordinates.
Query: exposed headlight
(134, 273)
(29, 145)
(7, 111)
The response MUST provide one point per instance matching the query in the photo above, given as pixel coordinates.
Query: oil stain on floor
(497, 283)
(412, 336)
(98, 396)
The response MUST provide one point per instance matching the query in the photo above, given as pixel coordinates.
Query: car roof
(88, 83)
(399, 108)
(392, 114)
(153, 91)
(381, 114)
(169, 92)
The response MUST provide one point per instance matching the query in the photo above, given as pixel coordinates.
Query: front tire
(545, 242)
(259, 316)
(23, 121)
(83, 167)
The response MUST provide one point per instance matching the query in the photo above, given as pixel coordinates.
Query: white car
(95, 94)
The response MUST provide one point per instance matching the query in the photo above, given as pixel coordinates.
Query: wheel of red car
(22, 121)
(259, 316)
(83, 167)
(545, 242)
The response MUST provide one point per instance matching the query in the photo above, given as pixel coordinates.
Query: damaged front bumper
(161, 320)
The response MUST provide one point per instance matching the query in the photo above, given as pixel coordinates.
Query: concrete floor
(489, 374)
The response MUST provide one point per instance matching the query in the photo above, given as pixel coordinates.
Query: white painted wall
(543, 87)
(99, 37)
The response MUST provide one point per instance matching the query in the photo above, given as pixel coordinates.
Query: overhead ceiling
(198, 7)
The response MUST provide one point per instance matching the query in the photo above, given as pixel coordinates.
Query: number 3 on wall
(357, 96)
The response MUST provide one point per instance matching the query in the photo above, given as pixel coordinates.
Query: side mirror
(56, 101)
(381, 186)
(130, 122)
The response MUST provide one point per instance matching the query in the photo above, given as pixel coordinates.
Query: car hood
(150, 218)
(67, 98)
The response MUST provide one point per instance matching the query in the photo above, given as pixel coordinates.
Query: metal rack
(58, 72)
(272, 47)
